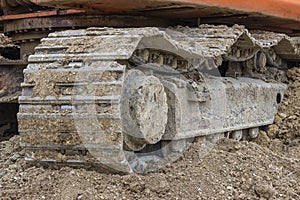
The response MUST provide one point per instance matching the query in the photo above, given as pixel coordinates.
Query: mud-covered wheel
(144, 110)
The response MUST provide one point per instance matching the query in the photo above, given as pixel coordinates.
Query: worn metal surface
(71, 105)
(77, 21)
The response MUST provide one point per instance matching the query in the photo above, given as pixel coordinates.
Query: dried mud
(6, 41)
(266, 168)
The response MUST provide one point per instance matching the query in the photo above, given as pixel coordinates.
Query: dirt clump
(6, 41)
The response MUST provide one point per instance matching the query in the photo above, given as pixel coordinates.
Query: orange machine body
(288, 9)
(273, 15)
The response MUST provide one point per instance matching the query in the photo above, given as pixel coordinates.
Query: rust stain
(39, 14)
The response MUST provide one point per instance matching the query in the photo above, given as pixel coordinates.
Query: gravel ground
(266, 168)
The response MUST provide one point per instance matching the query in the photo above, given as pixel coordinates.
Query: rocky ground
(266, 168)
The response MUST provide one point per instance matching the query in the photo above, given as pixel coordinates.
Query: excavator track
(131, 100)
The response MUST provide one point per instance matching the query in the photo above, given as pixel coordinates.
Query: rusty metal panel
(39, 14)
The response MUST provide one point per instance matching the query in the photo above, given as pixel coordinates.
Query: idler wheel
(144, 110)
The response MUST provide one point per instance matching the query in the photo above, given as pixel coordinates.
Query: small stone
(222, 192)
(293, 117)
(273, 131)
(79, 196)
(147, 191)
(282, 115)
(229, 187)
(2, 174)
(15, 157)
(289, 124)
(14, 166)
(277, 119)
(262, 139)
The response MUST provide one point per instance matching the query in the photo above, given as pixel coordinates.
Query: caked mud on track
(132, 99)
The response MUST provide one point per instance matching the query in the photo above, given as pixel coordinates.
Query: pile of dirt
(284, 134)
(232, 170)
(266, 168)
(287, 121)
